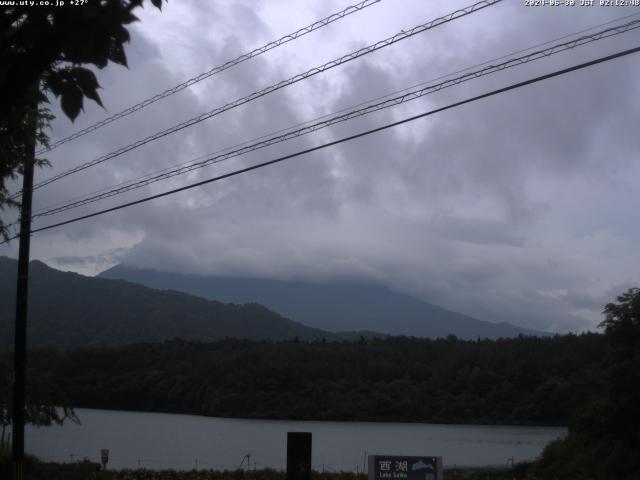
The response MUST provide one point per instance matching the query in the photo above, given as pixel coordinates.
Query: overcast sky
(522, 207)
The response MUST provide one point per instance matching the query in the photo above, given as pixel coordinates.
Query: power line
(229, 152)
(309, 128)
(307, 122)
(345, 139)
(402, 35)
(215, 70)
(345, 109)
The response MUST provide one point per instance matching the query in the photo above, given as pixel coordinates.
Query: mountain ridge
(346, 306)
(68, 310)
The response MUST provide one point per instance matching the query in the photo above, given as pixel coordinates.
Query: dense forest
(525, 380)
(590, 382)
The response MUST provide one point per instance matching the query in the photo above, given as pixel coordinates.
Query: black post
(20, 345)
(298, 456)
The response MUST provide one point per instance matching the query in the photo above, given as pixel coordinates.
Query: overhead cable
(215, 70)
(402, 35)
(387, 103)
(345, 109)
(514, 86)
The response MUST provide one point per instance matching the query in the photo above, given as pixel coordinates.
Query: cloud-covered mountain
(67, 310)
(522, 201)
(335, 307)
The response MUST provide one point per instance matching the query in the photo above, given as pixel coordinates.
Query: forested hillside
(334, 306)
(67, 310)
(514, 381)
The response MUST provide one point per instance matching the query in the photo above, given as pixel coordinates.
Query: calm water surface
(155, 440)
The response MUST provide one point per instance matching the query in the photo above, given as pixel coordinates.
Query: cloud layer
(516, 208)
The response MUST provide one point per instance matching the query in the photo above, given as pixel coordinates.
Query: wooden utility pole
(20, 342)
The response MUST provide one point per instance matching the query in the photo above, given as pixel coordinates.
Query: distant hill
(333, 307)
(67, 310)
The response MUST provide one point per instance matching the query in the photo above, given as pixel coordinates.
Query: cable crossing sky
(346, 109)
(402, 35)
(215, 70)
(406, 96)
(514, 86)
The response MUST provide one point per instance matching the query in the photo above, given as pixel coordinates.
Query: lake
(156, 440)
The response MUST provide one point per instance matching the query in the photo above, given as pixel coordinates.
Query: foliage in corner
(622, 328)
(603, 442)
(45, 51)
(46, 403)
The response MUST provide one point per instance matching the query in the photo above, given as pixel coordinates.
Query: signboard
(393, 467)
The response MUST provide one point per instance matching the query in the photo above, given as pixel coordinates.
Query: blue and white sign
(393, 467)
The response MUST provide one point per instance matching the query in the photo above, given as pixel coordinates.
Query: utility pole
(20, 342)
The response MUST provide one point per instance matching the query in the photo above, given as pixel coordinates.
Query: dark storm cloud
(513, 209)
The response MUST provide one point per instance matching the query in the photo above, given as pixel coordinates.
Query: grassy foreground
(38, 470)
(35, 469)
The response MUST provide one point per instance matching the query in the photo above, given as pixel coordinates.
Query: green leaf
(87, 82)
(54, 82)
(71, 101)
(117, 55)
